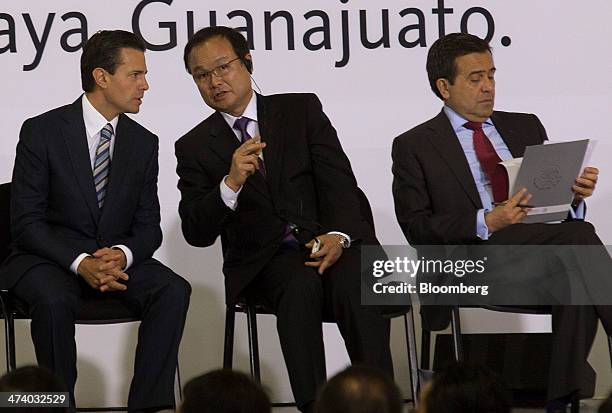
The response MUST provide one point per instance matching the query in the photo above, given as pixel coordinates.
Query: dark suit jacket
(308, 182)
(436, 199)
(54, 211)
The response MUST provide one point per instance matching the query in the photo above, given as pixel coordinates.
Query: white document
(512, 168)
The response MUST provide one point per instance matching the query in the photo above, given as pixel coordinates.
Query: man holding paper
(450, 189)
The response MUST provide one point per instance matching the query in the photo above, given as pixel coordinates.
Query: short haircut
(359, 389)
(224, 391)
(103, 50)
(236, 39)
(32, 379)
(464, 388)
(441, 59)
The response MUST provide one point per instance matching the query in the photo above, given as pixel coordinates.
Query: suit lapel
(125, 142)
(511, 138)
(224, 142)
(75, 137)
(445, 141)
(268, 119)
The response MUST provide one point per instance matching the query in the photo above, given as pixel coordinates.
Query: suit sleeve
(334, 179)
(146, 236)
(541, 129)
(30, 229)
(414, 209)
(202, 210)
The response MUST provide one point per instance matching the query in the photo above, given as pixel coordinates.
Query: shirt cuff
(229, 197)
(577, 212)
(129, 257)
(343, 234)
(75, 264)
(482, 231)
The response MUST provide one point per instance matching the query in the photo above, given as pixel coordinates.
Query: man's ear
(100, 77)
(443, 87)
(248, 62)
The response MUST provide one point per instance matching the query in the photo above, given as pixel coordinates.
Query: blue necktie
(102, 163)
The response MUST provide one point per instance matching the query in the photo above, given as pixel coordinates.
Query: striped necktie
(102, 163)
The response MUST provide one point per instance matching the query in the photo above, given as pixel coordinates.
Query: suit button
(100, 239)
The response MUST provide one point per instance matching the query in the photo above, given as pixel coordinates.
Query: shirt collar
(250, 112)
(457, 121)
(94, 121)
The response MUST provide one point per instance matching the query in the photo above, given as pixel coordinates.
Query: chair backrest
(5, 221)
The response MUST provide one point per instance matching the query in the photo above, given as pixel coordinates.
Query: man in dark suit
(271, 198)
(85, 221)
(445, 182)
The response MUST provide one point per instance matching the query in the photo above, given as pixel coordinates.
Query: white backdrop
(558, 64)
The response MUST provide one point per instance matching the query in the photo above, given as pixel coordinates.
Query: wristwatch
(344, 241)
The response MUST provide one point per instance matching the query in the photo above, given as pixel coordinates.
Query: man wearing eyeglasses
(268, 175)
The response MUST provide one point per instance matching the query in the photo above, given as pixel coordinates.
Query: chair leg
(575, 405)
(228, 345)
(7, 337)
(456, 330)
(10, 345)
(6, 343)
(412, 355)
(610, 347)
(178, 392)
(425, 348)
(253, 345)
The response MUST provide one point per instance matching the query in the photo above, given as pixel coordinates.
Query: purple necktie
(241, 125)
(289, 240)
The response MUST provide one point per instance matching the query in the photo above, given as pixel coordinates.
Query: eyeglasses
(219, 71)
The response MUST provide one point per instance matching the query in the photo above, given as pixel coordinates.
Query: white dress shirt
(94, 123)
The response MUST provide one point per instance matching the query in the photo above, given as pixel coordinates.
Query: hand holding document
(548, 173)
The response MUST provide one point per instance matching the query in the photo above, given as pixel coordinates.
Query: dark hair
(441, 59)
(359, 389)
(103, 50)
(32, 379)
(464, 388)
(224, 391)
(237, 40)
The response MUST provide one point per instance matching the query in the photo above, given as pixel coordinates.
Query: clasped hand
(328, 253)
(104, 270)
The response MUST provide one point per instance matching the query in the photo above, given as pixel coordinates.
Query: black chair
(91, 311)
(252, 309)
(457, 343)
